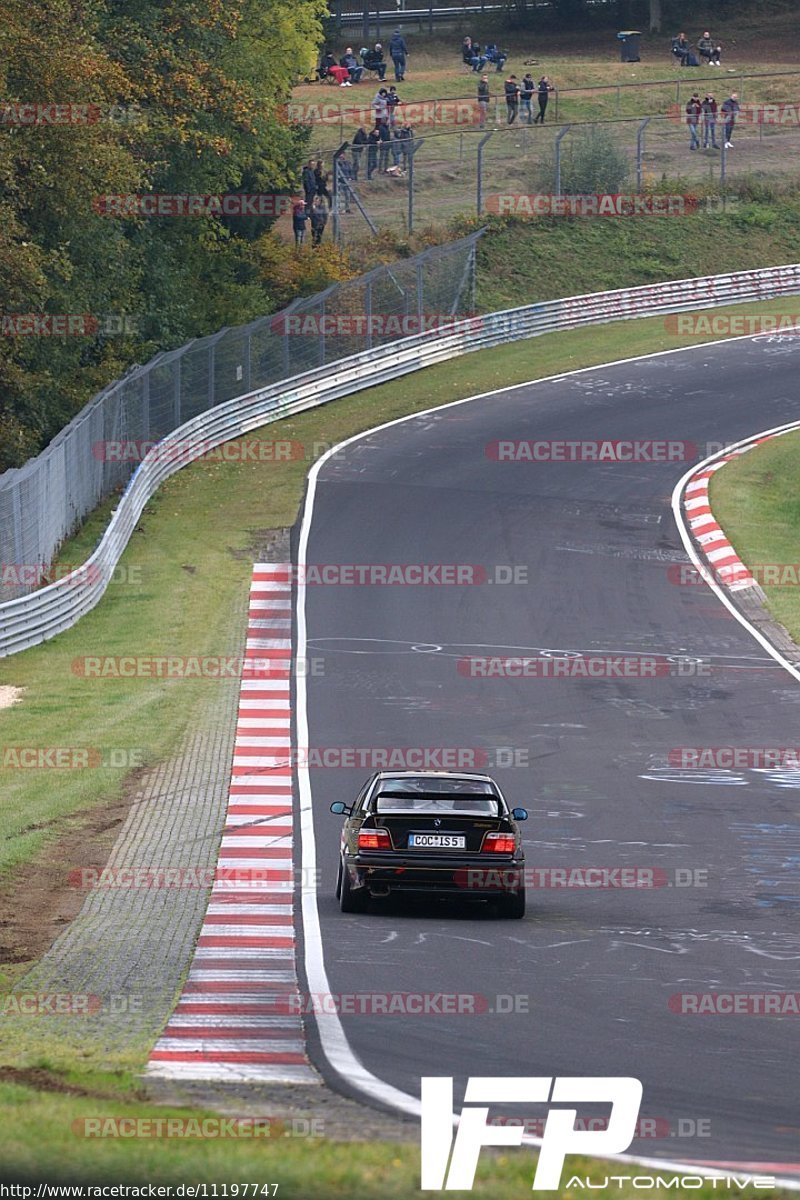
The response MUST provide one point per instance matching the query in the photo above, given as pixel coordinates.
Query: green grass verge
(303, 1167)
(756, 499)
(520, 262)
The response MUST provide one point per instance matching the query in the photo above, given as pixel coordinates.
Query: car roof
(432, 775)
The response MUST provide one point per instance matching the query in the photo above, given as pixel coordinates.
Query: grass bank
(44, 1139)
(756, 499)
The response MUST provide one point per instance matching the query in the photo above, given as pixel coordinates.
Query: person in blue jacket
(398, 52)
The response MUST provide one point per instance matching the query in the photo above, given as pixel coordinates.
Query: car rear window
(454, 804)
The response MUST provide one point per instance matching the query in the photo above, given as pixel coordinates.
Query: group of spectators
(348, 70)
(477, 59)
(708, 48)
(315, 206)
(707, 110)
(518, 98)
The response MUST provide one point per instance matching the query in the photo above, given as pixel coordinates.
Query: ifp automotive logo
(450, 1163)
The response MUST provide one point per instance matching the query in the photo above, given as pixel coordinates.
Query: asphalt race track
(595, 969)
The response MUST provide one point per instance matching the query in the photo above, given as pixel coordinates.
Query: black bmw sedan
(431, 832)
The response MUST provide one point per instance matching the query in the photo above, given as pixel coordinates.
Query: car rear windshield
(454, 803)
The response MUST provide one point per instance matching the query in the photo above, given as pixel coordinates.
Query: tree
(655, 16)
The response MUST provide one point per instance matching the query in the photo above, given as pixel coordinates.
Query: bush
(591, 162)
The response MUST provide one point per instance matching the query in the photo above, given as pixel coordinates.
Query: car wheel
(513, 907)
(351, 901)
(339, 881)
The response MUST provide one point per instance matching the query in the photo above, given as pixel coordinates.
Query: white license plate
(436, 841)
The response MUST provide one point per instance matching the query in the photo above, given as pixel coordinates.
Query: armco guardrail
(31, 619)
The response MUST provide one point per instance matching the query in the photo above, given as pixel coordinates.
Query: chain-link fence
(519, 168)
(44, 501)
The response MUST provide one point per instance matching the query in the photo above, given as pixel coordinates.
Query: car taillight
(374, 839)
(499, 843)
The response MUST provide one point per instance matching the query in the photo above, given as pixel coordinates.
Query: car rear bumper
(466, 878)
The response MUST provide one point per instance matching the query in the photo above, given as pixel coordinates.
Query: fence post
(481, 144)
(420, 297)
(248, 346)
(212, 366)
(336, 231)
(146, 406)
(322, 334)
(639, 149)
(412, 154)
(561, 134)
(368, 311)
(176, 392)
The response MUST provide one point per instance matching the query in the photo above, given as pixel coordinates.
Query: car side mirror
(342, 810)
(519, 814)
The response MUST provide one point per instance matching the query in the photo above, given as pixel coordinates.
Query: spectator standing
(406, 136)
(380, 106)
(359, 142)
(483, 100)
(525, 96)
(345, 177)
(372, 151)
(398, 52)
(309, 185)
(512, 98)
(693, 110)
(384, 139)
(709, 49)
(319, 219)
(544, 88)
(396, 147)
(354, 68)
(299, 218)
(321, 182)
(708, 107)
(730, 108)
(392, 101)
